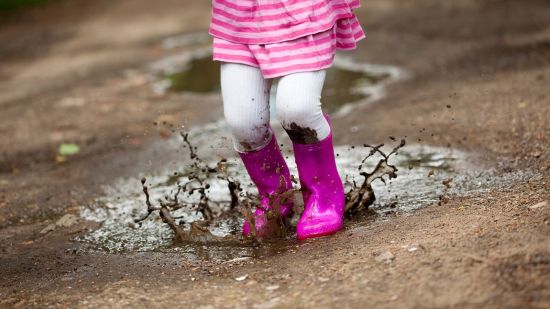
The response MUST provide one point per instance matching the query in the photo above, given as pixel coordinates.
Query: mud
(427, 176)
(466, 226)
(246, 146)
(300, 135)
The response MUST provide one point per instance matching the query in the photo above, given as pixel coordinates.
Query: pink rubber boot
(269, 172)
(322, 189)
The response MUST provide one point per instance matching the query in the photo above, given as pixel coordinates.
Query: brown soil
(70, 71)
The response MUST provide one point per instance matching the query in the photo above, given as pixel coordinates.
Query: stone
(385, 257)
(272, 287)
(47, 229)
(242, 278)
(539, 205)
(67, 220)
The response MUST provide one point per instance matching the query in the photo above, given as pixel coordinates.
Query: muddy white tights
(246, 106)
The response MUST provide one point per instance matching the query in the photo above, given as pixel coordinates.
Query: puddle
(201, 75)
(425, 173)
(423, 170)
(193, 71)
(342, 85)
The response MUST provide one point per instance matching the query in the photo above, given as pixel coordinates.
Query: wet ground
(426, 176)
(466, 223)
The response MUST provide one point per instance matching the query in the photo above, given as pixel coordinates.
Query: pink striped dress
(283, 36)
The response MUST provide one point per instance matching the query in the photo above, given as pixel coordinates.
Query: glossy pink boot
(269, 172)
(322, 189)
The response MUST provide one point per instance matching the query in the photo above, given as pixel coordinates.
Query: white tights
(245, 95)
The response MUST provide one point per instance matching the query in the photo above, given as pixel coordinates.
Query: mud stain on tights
(301, 135)
(250, 146)
(246, 146)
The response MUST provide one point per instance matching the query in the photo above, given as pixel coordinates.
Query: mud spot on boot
(301, 135)
(246, 146)
(267, 136)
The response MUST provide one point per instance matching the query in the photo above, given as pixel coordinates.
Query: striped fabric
(273, 21)
(283, 36)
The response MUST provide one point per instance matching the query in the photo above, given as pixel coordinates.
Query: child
(294, 40)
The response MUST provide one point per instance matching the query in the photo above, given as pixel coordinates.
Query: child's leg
(246, 105)
(299, 106)
(299, 109)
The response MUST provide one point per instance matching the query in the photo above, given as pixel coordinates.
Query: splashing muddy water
(426, 174)
(423, 178)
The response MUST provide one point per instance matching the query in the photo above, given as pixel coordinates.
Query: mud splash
(426, 174)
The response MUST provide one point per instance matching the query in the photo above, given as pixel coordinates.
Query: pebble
(242, 278)
(539, 205)
(411, 247)
(536, 154)
(236, 260)
(272, 287)
(67, 220)
(385, 257)
(48, 228)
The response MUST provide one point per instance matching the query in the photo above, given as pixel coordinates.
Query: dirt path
(480, 77)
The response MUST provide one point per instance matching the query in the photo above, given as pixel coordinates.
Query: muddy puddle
(426, 175)
(345, 83)
(348, 83)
